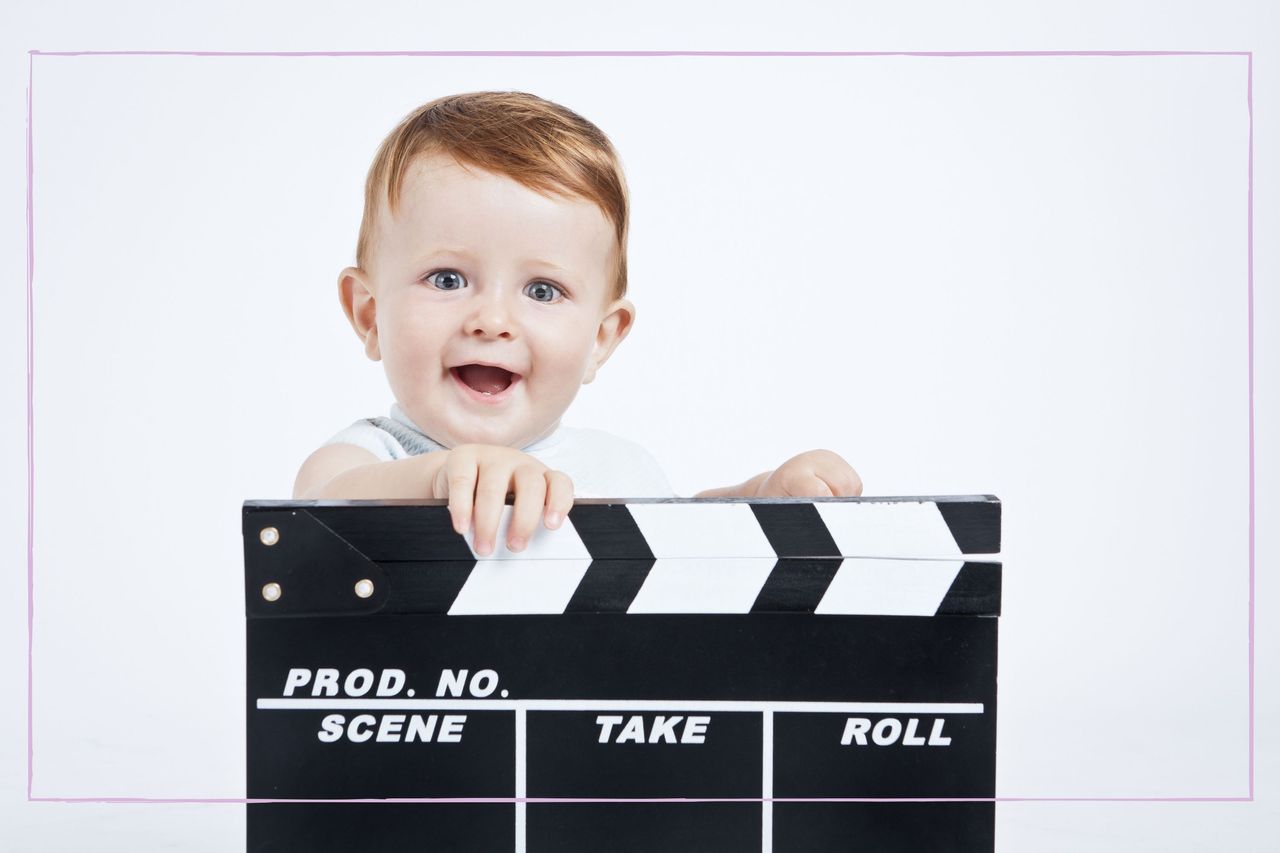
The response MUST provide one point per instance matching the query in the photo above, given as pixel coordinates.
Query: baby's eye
(540, 289)
(448, 280)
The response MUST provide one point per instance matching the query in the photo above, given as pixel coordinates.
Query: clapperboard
(656, 675)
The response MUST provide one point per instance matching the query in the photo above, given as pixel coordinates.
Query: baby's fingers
(559, 498)
(817, 488)
(460, 476)
(530, 488)
(844, 483)
(492, 487)
(797, 483)
(836, 474)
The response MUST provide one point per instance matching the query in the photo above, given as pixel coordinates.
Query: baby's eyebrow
(468, 254)
(447, 250)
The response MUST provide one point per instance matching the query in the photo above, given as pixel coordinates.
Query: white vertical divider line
(521, 782)
(766, 793)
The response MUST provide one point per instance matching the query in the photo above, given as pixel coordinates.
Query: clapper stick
(657, 674)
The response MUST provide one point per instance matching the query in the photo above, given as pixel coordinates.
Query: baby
(490, 276)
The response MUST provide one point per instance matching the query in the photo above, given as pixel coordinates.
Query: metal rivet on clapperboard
(271, 591)
(364, 587)
(269, 536)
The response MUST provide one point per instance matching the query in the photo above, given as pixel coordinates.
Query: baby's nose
(492, 318)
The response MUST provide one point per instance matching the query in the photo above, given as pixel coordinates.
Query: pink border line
(1249, 98)
(442, 801)
(621, 53)
(31, 471)
(643, 53)
(572, 800)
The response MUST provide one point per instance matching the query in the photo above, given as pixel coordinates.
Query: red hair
(539, 144)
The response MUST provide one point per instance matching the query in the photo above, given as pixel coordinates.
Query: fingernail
(516, 544)
(553, 520)
(483, 548)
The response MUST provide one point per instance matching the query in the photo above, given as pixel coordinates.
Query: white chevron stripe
(889, 587)
(890, 529)
(540, 579)
(563, 543)
(519, 586)
(708, 530)
(702, 585)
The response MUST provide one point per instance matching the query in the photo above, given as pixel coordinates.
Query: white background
(1019, 276)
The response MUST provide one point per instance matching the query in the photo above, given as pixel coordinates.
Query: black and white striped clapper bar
(789, 675)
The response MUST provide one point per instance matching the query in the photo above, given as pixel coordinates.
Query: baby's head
(494, 233)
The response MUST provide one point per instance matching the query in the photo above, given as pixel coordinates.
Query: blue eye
(540, 288)
(448, 276)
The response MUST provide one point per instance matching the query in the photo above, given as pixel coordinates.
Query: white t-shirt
(600, 464)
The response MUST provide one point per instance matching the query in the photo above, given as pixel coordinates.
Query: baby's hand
(483, 475)
(815, 473)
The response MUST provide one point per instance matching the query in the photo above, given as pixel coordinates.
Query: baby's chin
(498, 433)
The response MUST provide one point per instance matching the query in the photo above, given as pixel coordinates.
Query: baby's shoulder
(380, 436)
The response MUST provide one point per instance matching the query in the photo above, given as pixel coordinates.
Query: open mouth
(485, 379)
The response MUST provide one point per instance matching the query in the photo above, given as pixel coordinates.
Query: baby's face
(474, 269)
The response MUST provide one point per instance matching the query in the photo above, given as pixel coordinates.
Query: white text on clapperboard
(612, 728)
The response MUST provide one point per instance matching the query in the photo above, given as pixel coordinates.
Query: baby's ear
(614, 326)
(356, 296)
